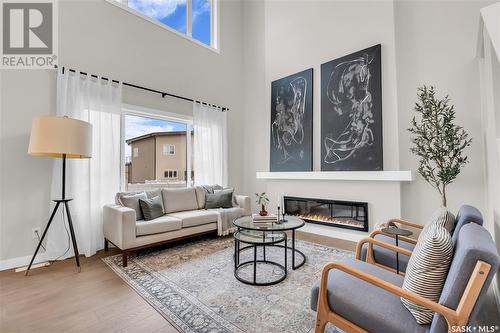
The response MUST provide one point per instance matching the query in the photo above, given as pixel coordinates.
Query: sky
(173, 14)
(137, 126)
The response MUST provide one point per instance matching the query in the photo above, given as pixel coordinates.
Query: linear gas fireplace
(333, 213)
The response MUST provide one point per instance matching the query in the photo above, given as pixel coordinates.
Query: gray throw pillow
(151, 208)
(132, 201)
(219, 199)
(427, 270)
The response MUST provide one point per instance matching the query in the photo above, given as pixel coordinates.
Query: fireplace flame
(333, 220)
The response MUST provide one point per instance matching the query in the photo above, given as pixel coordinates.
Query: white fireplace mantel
(387, 176)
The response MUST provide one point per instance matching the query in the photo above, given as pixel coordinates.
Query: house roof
(150, 135)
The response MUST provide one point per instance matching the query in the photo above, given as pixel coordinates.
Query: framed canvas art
(291, 122)
(351, 112)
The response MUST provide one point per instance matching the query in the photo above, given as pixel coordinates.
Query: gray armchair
(372, 252)
(356, 296)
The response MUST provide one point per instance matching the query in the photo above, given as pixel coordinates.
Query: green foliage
(437, 141)
(261, 198)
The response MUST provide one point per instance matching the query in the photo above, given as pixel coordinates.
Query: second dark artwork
(291, 123)
(351, 112)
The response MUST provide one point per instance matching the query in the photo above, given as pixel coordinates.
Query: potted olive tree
(437, 141)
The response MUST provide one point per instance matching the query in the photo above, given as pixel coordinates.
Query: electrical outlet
(34, 232)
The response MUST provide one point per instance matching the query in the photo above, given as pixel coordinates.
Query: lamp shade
(56, 136)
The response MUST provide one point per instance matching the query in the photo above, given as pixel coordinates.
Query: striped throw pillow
(427, 270)
(441, 217)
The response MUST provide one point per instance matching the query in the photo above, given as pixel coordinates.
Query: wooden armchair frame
(372, 241)
(458, 317)
(369, 253)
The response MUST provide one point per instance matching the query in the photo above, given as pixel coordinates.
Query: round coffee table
(253, 240)
(292, 223)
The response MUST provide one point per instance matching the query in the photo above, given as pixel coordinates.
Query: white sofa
(184, 217)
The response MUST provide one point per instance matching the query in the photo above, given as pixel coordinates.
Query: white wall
(489, 55)
(299, 35)
(100, 38)
(436, 44)
(431, 42)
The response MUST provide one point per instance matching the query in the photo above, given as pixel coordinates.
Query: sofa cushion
(219, 199)
(200, 196)
(132, 201)
(195, 217)
(387, 257)
(149, 193)
(366, 305)
(151, 208)
(427, 270)
(179, 199)
(202, 191)
(161, 224)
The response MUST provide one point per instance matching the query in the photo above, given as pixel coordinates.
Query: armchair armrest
(369, 251)
(403, 238)
(119, 225)
(380, 243)
(407, 223)
(403, 222)
(244, 202)
(452, 317)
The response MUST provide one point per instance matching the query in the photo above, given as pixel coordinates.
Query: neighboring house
(159, 156)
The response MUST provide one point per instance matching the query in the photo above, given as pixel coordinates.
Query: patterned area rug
(193, 286)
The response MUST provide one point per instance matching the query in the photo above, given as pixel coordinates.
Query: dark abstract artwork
(291, 123)
(351, 112)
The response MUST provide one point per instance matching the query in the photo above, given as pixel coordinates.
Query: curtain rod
(162, 93)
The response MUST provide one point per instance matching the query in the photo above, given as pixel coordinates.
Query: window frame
(214, 22)
(139, 111)
(174, 172)
(168, 151)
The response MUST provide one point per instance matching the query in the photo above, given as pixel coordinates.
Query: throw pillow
(219, 199)
(427, 270)
(132, 201)
(151, 208)
(442, 218)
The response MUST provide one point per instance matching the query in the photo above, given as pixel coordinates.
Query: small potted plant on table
(262, 200)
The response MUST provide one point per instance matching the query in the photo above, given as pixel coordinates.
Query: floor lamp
(60, 137)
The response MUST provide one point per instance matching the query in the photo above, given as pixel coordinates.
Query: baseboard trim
(20, 261)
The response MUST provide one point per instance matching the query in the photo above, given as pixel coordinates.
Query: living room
(249, 166)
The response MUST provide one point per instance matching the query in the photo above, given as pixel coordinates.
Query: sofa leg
(106, 245)
(124, 258)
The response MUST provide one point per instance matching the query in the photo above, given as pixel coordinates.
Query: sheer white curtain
(210, 145)
(93, 182)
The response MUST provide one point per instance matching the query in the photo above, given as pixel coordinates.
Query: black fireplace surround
(334, 213)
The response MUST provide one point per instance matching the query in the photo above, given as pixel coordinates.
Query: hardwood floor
(59, 299)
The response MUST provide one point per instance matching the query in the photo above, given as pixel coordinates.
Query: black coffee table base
(239, 265)
(266, 234)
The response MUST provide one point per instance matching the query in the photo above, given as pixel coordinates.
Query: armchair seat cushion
(366, 305)
(161, 224)
(387, 257)
(193, 218)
